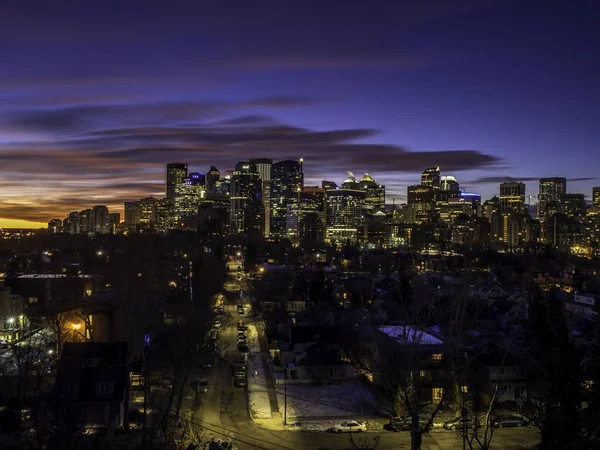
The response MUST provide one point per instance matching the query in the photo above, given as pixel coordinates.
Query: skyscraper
(345, 215)
(263, 167)
(176, 172)
(188, 195)
(100, 220)
(449, 184)
(246, 201)
(431, 177)
(550, 190)
(287, 181)
(212, 177)
(421, 198)
(512, 197)
(596, 197)
(375, 194)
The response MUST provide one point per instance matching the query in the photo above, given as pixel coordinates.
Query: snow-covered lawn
(324, 425)
(335, 400)
(258, 397)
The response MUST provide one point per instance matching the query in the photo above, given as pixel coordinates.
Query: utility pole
(145, 376)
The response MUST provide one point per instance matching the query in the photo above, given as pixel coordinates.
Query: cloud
(582, 179)
(79, 118)
(500, 179)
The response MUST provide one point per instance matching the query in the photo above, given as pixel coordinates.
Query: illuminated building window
(437, 394)
(437, 356)
(464, 389)
(422, 373)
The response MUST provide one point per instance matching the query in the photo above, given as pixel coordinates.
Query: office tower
(374, 194)
(512, 197)
(55, 226)
(176, 172)
(329, 184)
(114, 221)
(350, 182)
(132, 214)
(421, 198)
(100, 220)
(311, 220)
(596, 197)
(86, 221)
(223, 186)
(188, 195)
(246, 208)
(345, 215)
(550, 190)
(431, 177)
(212, 178)
(263, 167)
(572, 205)
(449, 184)
(287, 181)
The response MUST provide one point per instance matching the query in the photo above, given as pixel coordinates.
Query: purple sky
(95, 97)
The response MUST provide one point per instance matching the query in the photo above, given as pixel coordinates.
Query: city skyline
(488, 91)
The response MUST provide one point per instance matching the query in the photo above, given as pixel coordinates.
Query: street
(223, 412)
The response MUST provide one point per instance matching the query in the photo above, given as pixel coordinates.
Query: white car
(217, 324)
(350, 426)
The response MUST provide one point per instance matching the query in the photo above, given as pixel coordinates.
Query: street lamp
(11, 320)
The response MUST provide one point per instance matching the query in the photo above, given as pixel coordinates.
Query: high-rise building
(550, 190)
(512, 197)
(55, 226)
(212, 177)
(287, 181)
(596, 197)
(329, 184)
(188, 195)
(421, 198)
(572, 205)
(311, 220)
(431, 177)
(246, 209)
(263, 167)
(100, 220)
(114, 221)
(345, 215)
(375, 194)
(176, 172)
(449, 184)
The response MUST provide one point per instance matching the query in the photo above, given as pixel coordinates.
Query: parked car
(403, 424)
(220, 309)
(240, 310)
(217, 324)
(241, 363)
(3, 343)
(350, 426)
(242, 347)
(200, 385)
(459, 423)
(510, 421)
(207, 363)
(241, 334)
(239, 381)
(241, 326)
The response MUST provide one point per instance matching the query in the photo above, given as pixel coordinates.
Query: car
(242, 347)
(239, 382)
(509, 421)
(217, 324)
(3, 343)
(459, 423)
(200, 385)
(239, 277)
(240, 310)
(403, 423)
(239, 373)
(220, 309)
(241, 326)
(240, 364)
(241, 334)
(208, 362)
(350, 426)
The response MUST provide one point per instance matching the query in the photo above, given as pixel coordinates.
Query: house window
(105, 389)
(588, 384)
(437, 356)
(422, 373)
(437, 394)
(464, 389)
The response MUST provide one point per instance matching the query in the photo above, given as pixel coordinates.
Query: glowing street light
(76, 326)
(11, 320)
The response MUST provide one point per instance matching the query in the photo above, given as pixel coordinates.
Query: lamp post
(285, 397)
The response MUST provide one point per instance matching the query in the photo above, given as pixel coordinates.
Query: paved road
(223, 411)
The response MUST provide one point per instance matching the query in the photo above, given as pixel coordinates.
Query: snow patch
(258, 396)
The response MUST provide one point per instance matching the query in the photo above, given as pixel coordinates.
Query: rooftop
(407, 335)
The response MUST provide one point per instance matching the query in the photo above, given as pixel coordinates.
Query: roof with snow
(409, 335)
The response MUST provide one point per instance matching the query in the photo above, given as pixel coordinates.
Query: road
(223, 410)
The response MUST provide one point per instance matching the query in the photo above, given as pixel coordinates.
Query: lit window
(437, 356)
(464, 389)
(422, 373)
(437, 394)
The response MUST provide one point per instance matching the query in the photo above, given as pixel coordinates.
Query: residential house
(497, 369)
(91, 383)
(295, 303)
(318, 364)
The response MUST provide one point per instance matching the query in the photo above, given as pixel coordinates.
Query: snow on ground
(258, 396)
(338, 400)
(410, 335)
(324, 425)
